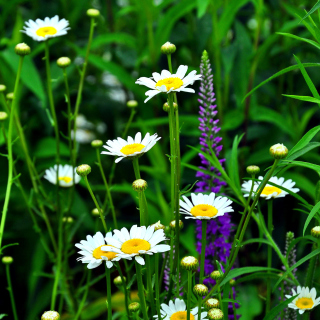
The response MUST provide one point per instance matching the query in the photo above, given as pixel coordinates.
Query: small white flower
(177, 310)
(41, 30)
(130, 148)
(140, 240)
(65, 175)
(269, 191)
(83, 123)
(83, 136)
(306, 300)
(167, 82)
(92, 253)
(205, 206)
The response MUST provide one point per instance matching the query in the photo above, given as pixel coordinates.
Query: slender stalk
(311, 269)
(10, 153)
(136, 169)
(233, 304)
(109, 293)
(306, 315)
(141, 291)
(96, 204)
(270, 228)
(199, 307)
(189, 293)
(84, 297)
(107, 190)
(203, 249)
(124, 289)
(13, 305)
(157, 286)
(149, 284)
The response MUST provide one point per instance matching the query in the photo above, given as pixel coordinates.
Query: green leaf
(313, 9)
(305, 164)
(257, 240)
(302, 151)
(47, 148)
(3, 315)
(117, 37)
(303, 98)
(202, 7)
(315, 44)
(311, 215)
(9, 245)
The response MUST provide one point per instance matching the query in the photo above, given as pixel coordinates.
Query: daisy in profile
(92, 254)
(130, 148)
(139, 241)
(167, 82)
(66, 174)
(177, 310)
(269, 191)
(41, 30)
(204, 206)
(306, 300)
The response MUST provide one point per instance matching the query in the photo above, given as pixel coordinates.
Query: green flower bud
(3, 115)
(200, 290)
(215, 314)
(93, 13)
(232, 282)
(7, 260)
(67, 220)
(83, 170)
(96, 144)
(132, 104)
(3, 88)
(189, 263)
(253, 169)
(134, 307)
(22, 49)
(50, 315)
(212, 303)
(63, 62)
(139, 185)
(168, 48)
(166, 107)
(173, 224)
(158, 226)
(118, 281)
(216, 275)
(9, 96)
(315, 231)
(278, 151)
(95, 212)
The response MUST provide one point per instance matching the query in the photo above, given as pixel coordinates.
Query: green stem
(141, 291)
(107, 190)
(123, 281)
(14, 310)
(96, 204)
(189, 294)
(199, 308)
(109, 293)
(10, 153)
(311, 268)
(270, 228)
(157, 287)
(203, 249)
(306, 315)
(84, 297)
(136, 169)
(149, 284)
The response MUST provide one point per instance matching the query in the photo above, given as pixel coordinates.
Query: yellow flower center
(304, 303)
(135, 245)
(174, 83)
(44, 31)
(132, 148)
(269, 190)
(65, 179)
(98, 253)
(181, 315)
(204, 210)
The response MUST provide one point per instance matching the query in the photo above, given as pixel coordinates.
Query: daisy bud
(173, 224)
(22, 49)
(83, 170)
(212, 303)
(189, 263)
(166, 107)
(118, 281)
(232, 282)
(9, 96)
(96, 144)
(63, 62)
(7, 260)
(158, 226)
(3, 88)
(200, 290)
(139, 185)
(315, 231)
(253, 169)
(215, 314)
(278, 151)
(67, 220)
(93, 13)
(216, 275)
(50, 315)
(3, 115)
(134, 307)
(132, 104)
(168, 48)
(95, 212)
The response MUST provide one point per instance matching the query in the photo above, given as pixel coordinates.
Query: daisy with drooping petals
(167, 82)
(41, 30)
(92, 254)
(130, 148)
(205, 206)
(177, 310)
(306, 300)
(140, 240)
(269, 191)
(65, 175)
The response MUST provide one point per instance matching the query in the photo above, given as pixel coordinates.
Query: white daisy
(65, 175)
(140, 240)
(130, 148)
(167, 82)
(269, 191)
(178, 311)
(83, 135)
(205, 206)
(93, 255)
(306, 300)
(41, 30)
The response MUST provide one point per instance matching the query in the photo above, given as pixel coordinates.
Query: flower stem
(157, 287)
(107, 190)
(123, 281)
(96, 204)
(14, 310)
(311, 267)
(149, 284)
(306, 315)
(270, 228)
(203, 249)
(109, 293)
(189, 293)
(10, 153)
(141, 291)
(84, 297)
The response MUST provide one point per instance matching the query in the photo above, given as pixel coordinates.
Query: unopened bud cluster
(253, 170)
(189, 263)
(83, 170)
(200, 290)
(22, 49)
(63, 62)
(216, 275)
(166, 106)
(118, 281)
(278, 151)
(139, 185)
(67, 219)
(134, 307)
(173, 224)
(158, 225)
(211, 303)
(215, 314)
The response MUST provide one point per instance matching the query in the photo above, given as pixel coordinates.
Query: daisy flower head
(204, 206)
(66, 174)
(41, 30)
(269, 191)
(167, 82)
(136, 242)
(177, 310)
(131, 148)
(92, 253)
(306, 299)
